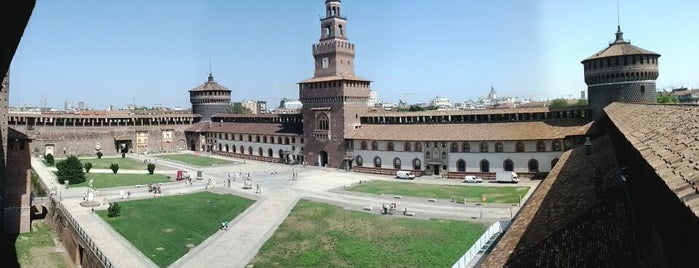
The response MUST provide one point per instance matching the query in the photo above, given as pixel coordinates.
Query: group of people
(224, 225)
(152, 188)
(393, 206)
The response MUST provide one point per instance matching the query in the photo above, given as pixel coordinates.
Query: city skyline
(149, 54)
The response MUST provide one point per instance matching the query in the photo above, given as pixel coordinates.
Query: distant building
(686, 95)
(441, 103)
(372, 98)
(255, 107)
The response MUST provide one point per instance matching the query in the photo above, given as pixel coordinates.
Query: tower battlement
(332, 46)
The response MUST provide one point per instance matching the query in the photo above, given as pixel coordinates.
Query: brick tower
(209, 99)
(334, 98)
(620, 73)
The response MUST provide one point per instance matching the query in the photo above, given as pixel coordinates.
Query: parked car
(472, 179)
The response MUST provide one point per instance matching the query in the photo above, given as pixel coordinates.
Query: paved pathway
(247, 233)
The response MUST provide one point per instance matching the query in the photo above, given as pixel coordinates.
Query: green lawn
(36, 249)
(196, 160)
(105, 180)
(321, 235)
(164, 229)
(124, 163)
(500, 194)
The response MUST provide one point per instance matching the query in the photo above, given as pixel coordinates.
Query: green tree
(237, 108)
(87, 166)
(114, 167)
(71, 170)
(415, 108)
(558, 103)
(581, 102)
(99, 155)
(151, 168)
(114, 210)
(49, 159)
(666, 97)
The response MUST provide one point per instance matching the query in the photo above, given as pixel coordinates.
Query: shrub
(114, 210)
(151, 168)
(71, 170)
(114, 167)
(49, 159)
(99, 155)
(88, 166)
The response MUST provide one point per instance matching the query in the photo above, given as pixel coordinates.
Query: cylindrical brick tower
(620, 73)
(210, 99)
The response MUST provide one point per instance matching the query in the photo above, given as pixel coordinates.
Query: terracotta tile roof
(210, 85)
(667, 136)
(538, 130)
(14, 134)
(474, 111)
(249, 128)
(618, 48)
(336, 77)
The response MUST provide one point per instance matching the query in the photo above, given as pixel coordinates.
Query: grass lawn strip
(164, 229)
(37, 249)
(124, 163)
(105, 180)
(196, 160)
(321, 235)
(499, 194)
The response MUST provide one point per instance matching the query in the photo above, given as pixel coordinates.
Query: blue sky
(153, 52)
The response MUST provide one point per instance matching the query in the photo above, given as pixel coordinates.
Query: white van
(402, 174)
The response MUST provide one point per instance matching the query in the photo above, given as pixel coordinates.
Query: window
(257, 138)
(359, 160)
(418, 147)
(390, 146)
(323, 122)
(406, 147)
(249, 137)
(270, 153)
(364, 145)
(234, 148)
(498, 147)
(286, 140)
(428, 155)
(417, 164)
(465, 147)
(519, 147)
(508, 165)
(541, 146)
(461, 165)
(643, 89)
(556, 145)
(454, 147)
(280, 153)
(259, 151)
(444, 155)
(242, 149)
(264, 139)
(396, 163)
(250, 150)
(375, 146)
(533, 165)
(377, 162)
(484, 147)
(485, 166)
(553, 162)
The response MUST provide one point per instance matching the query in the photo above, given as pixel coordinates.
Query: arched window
(359, 160)
(461, 165)
(249, 137)
(377, 162)
(444, 155)
(465, 147)
(234, 149)
(484, 147)
(417, 164)
(257, 138)
(280, 153)
(418, 147)
(519, 147)
(375, 146)
(270, 153)
(264, 139)
(242, 149)
(533, 165)
(428, 155)
(390, 146)
(364, 145)
(396, 163)
(541, 146)
(279, 140)
(259, 151)
(508, 165)
(454, 147)
(556, 145)
(498, 147)
(553, 162)
(340, 28)
(485, 166)
(286, 140)
(406, 147)
(250, 150)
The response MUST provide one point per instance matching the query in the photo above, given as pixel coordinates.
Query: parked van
(402, 174)
(506, 176)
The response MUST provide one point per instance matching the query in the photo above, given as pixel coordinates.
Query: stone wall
(630, 92)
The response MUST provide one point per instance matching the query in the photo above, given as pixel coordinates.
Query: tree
(114, 167)
(581, 102)
(49, 159)
(71, 170)
(99, 155)
(88, 166)
(151, 168)
(558, 103)
(666, 97)
(114, 210)
(238, 108)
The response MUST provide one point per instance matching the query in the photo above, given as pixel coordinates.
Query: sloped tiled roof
(336, 77)
(210, 85)
(620, 47)
(667, 136)
(249, 128)
(538, 130)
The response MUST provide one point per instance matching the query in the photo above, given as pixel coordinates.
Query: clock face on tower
(324, 63)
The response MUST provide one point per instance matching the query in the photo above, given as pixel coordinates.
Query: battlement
(333, 45)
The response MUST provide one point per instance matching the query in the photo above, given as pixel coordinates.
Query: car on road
(472, 179)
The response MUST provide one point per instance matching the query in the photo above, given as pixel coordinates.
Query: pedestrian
(128, 194)
(385, 209)
(405, 211)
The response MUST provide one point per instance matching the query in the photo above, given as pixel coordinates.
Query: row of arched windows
(241, 150)
(507, 165)
(464, 147)
(256, 138)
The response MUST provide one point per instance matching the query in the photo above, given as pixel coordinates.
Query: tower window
(340, 28)
(643, 89)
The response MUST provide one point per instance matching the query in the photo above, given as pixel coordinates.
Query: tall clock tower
(334, 98)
